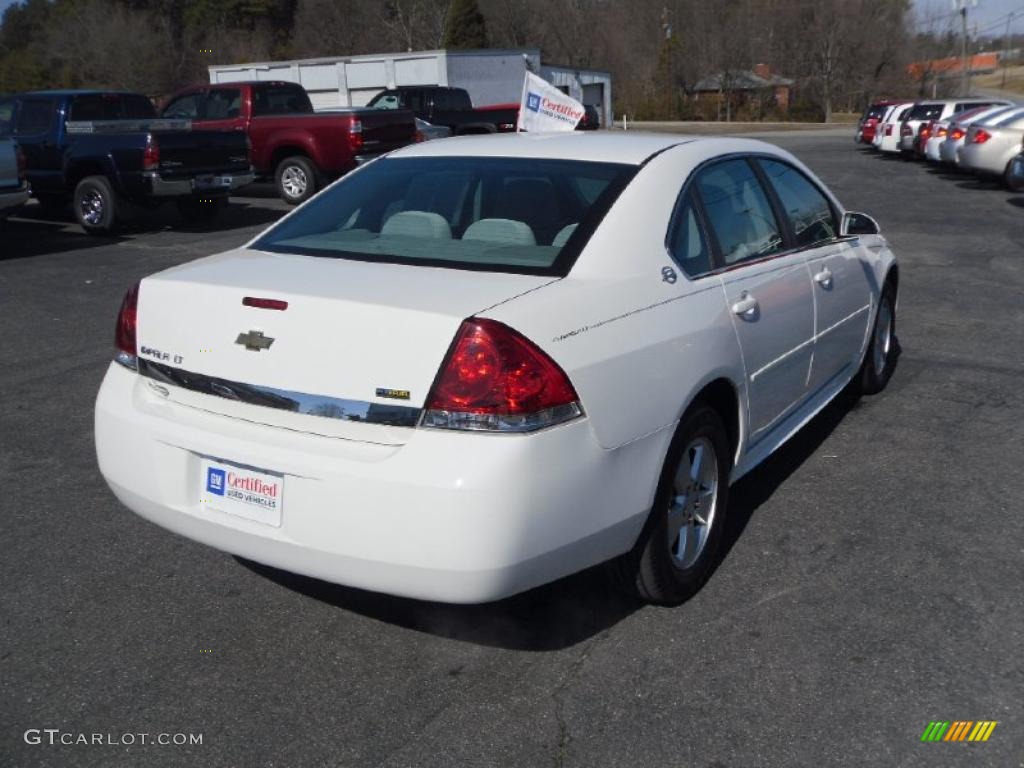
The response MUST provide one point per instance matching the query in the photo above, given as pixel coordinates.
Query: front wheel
(296, 179)
(677, 550)
(95, 205)
(880, 360)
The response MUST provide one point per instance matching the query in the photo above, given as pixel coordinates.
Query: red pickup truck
(300, 149)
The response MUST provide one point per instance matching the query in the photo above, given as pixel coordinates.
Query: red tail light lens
(957, 134)
(941, 132)
(496, 380)
(925, 131)
(124, 332)
(355, 136)
(981, 136)
(888, 130)
(151, 157)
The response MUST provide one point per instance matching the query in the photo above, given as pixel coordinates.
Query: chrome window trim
(320, 406)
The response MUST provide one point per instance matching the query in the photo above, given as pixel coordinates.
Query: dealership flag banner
(545, 108)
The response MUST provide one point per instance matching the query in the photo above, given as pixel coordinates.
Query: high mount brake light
(494, 379)
(124, 332)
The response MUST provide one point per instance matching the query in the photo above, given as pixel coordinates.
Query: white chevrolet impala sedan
(478, 365)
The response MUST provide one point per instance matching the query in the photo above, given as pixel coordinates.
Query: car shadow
(1017, 201)
(575, 608)
(37, 232)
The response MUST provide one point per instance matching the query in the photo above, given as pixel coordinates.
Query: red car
(298, 148)
(869, 122)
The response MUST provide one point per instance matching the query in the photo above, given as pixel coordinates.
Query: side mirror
(858, 224)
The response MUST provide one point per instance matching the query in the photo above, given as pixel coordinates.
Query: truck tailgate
(386, 129)
(187, 153)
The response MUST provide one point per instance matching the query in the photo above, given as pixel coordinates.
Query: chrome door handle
(746, 306)
(824, 278)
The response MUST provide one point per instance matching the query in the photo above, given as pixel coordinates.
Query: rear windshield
(876, 111)
(925, 112)
(485, 213)
(280, 99)
(111, 106)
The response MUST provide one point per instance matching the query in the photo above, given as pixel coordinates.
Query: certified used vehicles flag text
(545, 108)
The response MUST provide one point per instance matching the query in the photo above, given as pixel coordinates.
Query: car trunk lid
(353, 355)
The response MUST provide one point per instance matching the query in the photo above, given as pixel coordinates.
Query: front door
(768, 291)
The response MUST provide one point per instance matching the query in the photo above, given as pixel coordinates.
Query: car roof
(592, 146)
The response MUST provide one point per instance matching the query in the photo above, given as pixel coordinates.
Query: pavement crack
(564, 736)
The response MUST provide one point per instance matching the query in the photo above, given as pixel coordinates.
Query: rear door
(767, 289)
(842, 291)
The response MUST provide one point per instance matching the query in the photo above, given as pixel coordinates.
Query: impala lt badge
(254, 341)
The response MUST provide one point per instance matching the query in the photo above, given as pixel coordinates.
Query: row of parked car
(984, 137)
(103, 154)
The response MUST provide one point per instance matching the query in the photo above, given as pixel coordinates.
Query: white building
(491, 76)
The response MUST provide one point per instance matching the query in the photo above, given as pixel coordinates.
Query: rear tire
(883, 351)
(676, 552)
(96, 205)
(296, 179)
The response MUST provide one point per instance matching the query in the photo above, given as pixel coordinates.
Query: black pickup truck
(105, 152)
(450, 107)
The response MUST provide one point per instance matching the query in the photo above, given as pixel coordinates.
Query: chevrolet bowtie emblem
(254, 341)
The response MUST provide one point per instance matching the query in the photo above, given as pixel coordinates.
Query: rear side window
(184, 107)
(223, 104)
(486, 213)
(738, 211)
(809, 212)
(111, 106)
(35, 116)
(924, 112)
(280, 100)
(386, 100)
(688, 244)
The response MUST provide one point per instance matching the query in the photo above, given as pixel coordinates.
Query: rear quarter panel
(636, 347)
(322, 138)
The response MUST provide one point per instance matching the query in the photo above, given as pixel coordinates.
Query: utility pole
(1006, 47)
(965, 73)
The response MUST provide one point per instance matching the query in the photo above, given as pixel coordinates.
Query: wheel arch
(722, 396)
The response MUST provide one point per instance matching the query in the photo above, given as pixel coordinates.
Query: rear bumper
(158, 186)
(979, 158)
(454, 517)
(948, 152)
(12, 199)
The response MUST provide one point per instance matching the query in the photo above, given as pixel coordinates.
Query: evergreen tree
(465, 27)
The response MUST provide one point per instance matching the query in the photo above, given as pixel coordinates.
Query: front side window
(738, 211)
(184, 107)
(486, 213)
(687, 243)
(34, 117)
(810, 214)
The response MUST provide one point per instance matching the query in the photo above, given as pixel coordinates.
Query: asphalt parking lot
(872, 580)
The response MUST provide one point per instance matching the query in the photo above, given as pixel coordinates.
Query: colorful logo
(533, 101)
(958, 730)
(215, 481)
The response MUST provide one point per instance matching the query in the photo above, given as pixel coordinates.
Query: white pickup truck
(13, 187)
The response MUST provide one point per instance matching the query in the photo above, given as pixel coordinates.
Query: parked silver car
(957, 130)
(928, 111)
(13, 187)
(990, 147)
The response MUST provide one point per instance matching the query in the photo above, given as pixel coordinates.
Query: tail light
(21, 161)
(124, 333)
(924, 131)
(941, 132)
(420, 136)
(355, 137)
(151, 156)
(981, 136)
(496, 380)
(957, 134)
(888, 130)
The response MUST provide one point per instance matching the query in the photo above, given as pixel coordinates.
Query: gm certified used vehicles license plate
(213, 182)
(242, 492)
